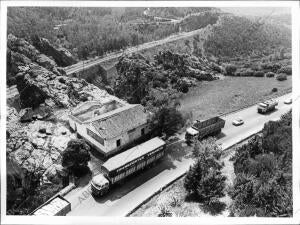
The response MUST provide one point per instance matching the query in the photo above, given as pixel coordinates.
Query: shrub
(247, 73)
(164, 211)
(271, 66)
(270, 74)
(274, 89)
(184, 87)
(211, 186)
(286, 69)
(281, 77)
(175, 201)
(259, 74)
(76, 156)
(230, 69)
(216, 67)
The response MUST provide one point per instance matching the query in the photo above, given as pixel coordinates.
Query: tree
(263, 168)
(167, 120)
(211, 186)
(193, 176)
(230, 69)
(204, 181)
(76, 156)
(208, 147)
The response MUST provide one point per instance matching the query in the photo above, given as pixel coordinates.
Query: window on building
(118, 142)
(131, 131)
(95, 136)
(142, 131)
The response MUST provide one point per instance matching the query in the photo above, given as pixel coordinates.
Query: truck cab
(264, 107)
(99, 185)
(191, 135)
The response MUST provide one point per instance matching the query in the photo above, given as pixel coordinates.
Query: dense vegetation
(139, 80)
(263, 168)
(95, 31)
(239, 36)
(204, 181)
(76, 156)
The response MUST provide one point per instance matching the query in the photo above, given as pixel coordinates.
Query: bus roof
(133, 153)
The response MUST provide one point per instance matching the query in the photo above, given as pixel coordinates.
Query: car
(238, 122)
(288, 101)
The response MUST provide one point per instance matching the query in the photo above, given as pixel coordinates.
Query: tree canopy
(76, 156)
(263, 168)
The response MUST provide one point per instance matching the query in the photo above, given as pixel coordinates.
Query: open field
(211, 98)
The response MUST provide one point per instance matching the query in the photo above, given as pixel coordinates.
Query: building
(109, 126)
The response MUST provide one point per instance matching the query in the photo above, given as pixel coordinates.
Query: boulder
(61, 56)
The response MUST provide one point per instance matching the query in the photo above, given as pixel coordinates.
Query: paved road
(123, 198)
(86, 64)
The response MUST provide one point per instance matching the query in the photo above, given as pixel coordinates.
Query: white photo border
(294, 5)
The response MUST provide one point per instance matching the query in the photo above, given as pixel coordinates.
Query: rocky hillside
(39, 132)
(38, 78)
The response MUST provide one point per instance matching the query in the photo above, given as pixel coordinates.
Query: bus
(127, 163)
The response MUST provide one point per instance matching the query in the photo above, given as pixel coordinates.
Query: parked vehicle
(238, 122)
(203, 128)
(56, 206)
(266, 106)
(117, 168)
(288, 101)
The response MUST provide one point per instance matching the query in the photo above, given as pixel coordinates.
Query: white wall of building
(110, 146)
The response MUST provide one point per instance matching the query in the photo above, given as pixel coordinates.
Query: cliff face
(61, 56)
(38, 78)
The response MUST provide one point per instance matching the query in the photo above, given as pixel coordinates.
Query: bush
(164, 211)
(273, 67)
(211, 186)
(274, 89)
(270, 74)
(281, 77)
(216, 67)
(230, 69)
(259, 74)
(184, 87)
(287, 70)
(76, 156)
(247, 73)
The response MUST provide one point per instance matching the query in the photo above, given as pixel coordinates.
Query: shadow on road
(220, 135)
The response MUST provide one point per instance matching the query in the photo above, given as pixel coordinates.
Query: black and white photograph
(149, 110)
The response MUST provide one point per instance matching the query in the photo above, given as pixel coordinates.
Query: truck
(127, 163)
(266, 106)
(204, 128)
(55, 206)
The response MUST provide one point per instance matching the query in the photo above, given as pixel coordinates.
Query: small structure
(109, 126)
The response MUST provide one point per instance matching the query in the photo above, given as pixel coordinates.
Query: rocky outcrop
(38, 78)
(38, 133)
(37, 147)
(61, 56)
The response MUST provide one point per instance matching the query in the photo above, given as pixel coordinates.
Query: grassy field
(211, 98)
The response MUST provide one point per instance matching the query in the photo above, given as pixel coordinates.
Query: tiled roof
(120, 121)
